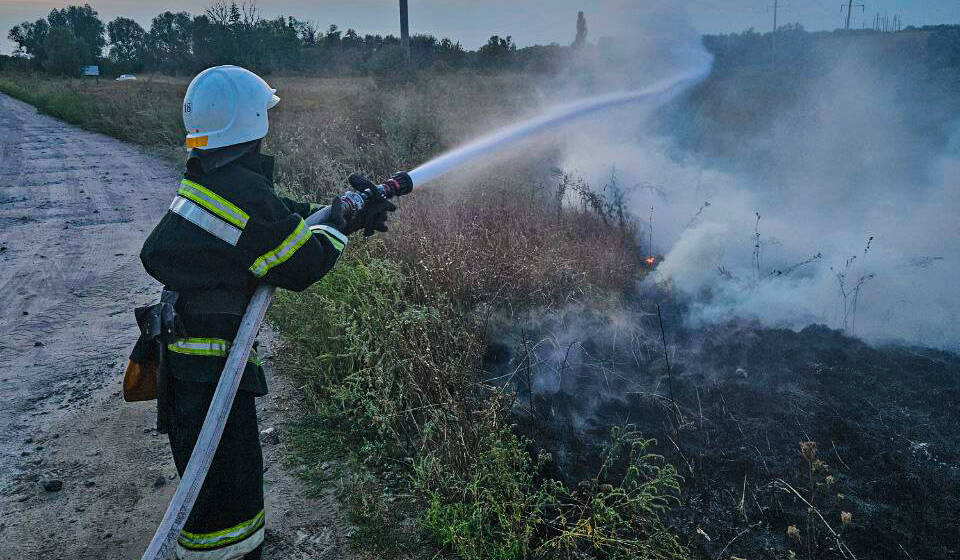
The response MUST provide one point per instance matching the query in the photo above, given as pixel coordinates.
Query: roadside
(83, 474)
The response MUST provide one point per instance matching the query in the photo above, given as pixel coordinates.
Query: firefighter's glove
(337, 218)
(373, 216)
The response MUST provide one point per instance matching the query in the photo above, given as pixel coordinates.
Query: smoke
(853, 184)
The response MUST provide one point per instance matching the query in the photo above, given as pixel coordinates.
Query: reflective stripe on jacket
(228, 229)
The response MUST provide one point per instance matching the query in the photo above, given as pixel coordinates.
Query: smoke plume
(841, 209)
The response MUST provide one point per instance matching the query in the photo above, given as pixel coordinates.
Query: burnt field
(880, 479)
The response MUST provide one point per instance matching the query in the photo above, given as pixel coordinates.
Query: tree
(351, 40)
(332, 39)
(497, 52)
(234, 17)
(581, 38)
(127, 42)
(277, 45)
(307, 32)
(169, 40)
(86, 26)
(66, 52)
(31, 39)
(218, 12)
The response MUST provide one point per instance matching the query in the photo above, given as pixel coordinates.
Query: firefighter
(227, 231)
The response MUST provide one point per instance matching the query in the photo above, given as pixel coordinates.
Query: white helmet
(226, 105)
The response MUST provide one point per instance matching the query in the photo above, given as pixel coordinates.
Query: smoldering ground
(803, 218)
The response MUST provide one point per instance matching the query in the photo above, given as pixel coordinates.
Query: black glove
(373, 216)
(337, 219)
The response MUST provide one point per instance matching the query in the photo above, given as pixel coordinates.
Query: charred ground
(883, 419)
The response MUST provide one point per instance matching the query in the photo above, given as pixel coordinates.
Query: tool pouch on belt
(146, 377)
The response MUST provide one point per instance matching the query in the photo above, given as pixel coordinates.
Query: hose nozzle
(398, 185)
(353, 201)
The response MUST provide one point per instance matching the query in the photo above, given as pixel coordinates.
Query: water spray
(208, 440)
(653, 96)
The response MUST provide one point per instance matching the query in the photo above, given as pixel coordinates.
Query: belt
(213, 302)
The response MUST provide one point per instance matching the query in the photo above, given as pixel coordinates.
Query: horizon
(472, 24)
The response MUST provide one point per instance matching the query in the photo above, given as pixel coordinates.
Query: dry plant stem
(810, 533)
(844, 549)
(839, 458)
(743, 496)
(740, 534)
(666, 357)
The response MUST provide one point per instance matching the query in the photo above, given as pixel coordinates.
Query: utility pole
(404, 29)
(776, 5)
(850, 7)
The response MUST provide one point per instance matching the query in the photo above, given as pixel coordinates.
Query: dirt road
(83, 474)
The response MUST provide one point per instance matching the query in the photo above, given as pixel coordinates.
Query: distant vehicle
(126, 77)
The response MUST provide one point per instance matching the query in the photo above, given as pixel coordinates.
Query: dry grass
(507, 247)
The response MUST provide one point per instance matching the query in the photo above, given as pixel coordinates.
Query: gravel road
(83, 474)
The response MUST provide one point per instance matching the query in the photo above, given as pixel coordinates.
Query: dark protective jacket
(227, 231)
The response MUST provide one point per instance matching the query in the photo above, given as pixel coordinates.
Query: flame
(650, 261)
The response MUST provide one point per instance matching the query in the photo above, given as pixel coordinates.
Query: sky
(528, 21)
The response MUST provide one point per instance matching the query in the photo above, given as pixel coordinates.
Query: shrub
(617, 514)
(493, 509)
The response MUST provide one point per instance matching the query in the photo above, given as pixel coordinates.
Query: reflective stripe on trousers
(227, 544)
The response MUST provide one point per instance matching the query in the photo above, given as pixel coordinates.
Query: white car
(126, 77)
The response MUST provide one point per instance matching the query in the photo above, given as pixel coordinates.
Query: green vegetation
(147, 113)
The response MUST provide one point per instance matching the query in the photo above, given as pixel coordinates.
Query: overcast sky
(528, 21)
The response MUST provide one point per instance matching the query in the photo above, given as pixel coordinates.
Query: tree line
(231, 33)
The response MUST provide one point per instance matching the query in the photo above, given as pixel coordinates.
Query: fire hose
(213, 425)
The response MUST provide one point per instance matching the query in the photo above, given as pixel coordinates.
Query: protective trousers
(227, 521)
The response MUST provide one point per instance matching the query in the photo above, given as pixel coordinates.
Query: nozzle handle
(353, 201)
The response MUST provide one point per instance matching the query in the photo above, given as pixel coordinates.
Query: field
(425, 353)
